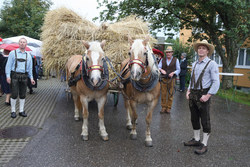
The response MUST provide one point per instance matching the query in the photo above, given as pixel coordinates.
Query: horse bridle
(139, 62)
(93, 67)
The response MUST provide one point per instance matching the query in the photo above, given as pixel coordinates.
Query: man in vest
(204, 83)
(169, 67)
(18, 69)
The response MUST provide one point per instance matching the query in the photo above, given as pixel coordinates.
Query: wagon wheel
(116, 98)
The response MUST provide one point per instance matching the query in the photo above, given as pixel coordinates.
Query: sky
(85, 8)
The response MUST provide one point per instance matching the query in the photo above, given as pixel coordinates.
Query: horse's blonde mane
(138, 46)
(95, 46)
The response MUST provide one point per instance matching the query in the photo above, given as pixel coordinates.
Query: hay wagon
(63, 31)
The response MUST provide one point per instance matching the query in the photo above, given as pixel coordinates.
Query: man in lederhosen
(169, 67)
(204, 83)
(18, 69)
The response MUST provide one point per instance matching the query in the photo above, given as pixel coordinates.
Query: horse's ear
(86, 44)
(103, 43)
(130, 40)
(146, 40)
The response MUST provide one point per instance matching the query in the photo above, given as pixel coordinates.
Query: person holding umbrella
(18, 69)
(159, 54)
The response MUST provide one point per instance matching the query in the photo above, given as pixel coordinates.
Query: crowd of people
(19, 70)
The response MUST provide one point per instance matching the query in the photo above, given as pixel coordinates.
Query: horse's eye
(87, 59)
(103, 59)
(129, 53)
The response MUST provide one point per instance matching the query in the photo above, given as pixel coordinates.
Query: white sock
(205, 138)
(197, 135)
(22, 101)
(13, 105)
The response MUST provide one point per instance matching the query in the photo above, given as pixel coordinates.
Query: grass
(239, 96)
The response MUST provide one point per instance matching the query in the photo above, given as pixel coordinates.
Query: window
(248, 57)
(241, 57)
(216, 58)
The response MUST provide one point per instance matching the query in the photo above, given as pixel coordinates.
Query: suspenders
(199, 80)
(20, 60)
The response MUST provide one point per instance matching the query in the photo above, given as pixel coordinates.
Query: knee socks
(21, 108)
(13, 105)
(197, 135)
(205, 138)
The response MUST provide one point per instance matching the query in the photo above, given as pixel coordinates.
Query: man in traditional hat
(204, 83)
(18, 69)
(182, 75)
(169, 67)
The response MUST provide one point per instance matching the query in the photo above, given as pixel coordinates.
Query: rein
(167, 83)
(118, 74)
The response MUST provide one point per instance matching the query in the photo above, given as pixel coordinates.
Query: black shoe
(13, 115)
(31, 91)
(7, 103)
(192, 142)
(23, 114)
(201, 150)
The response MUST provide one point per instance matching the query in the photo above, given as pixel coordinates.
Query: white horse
(142, 85)
(86, 77)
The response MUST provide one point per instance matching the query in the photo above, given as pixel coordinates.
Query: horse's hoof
(149, 143)
(133, 136)
(77, 118)
(105, 138)
(129, 127)
(85, 138)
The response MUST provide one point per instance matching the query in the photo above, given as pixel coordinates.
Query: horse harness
(138, 85)
(84, 74)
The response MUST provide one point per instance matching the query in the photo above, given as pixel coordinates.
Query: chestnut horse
(86, 83)
(141, 86)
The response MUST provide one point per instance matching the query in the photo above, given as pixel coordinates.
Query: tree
(225, 23)
(23, 17)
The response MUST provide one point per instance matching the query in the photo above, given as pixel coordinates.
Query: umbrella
(35, 51)
(17, 38)
(156, 51)
(33, 44)
(12, 46)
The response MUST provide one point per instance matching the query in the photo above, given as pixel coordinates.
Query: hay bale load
(63, 31)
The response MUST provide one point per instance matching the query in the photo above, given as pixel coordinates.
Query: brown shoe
(201, 150)
(163, 111)
(192, 142)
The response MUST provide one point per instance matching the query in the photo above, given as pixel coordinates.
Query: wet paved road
(58, 143)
